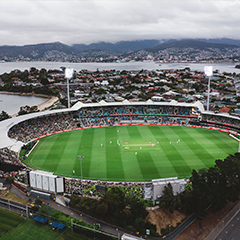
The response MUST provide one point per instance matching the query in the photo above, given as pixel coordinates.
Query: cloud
(87, 21)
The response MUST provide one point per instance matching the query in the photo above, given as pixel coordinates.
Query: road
(231, 230)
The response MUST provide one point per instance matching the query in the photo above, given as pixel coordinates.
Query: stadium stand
(26, 128)
(36, 127)
(89, 115)
(220, 120)
(9, 157)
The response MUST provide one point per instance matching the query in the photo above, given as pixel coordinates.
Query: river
(146, 65)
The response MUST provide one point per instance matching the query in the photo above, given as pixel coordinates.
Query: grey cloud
(93, 21)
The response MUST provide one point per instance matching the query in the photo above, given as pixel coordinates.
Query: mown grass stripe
(71, 152)
(205, 145)
(185, 144)
(131, 167)
(196, 145)
(53, 157)
(98, 159)
(113, 157)
(133, 132)
(148, 168)
(85, 149)
(175, 158)
(43, 148)
(161, 161)
(222, 141)
(132, 171)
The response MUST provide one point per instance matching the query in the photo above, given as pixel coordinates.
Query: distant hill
(189, 44)
(36, 49)
(61, 52)
(39, 50)
(221, 40)
(119, 47)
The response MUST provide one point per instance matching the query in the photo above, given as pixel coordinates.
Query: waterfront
(146, 65)
(12, 103)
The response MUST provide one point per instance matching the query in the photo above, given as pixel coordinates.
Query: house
(157, 99)
(224, 110)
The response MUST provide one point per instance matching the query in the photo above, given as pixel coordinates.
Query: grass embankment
(11, 196)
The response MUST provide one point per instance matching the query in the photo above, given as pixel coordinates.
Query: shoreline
(50, 100)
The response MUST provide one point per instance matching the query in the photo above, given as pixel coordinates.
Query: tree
(4, 115)
(167, 199)
(101, 209)
(200, 193)
(38, 201)
(137, 208)
(230, 173)
(140, 225)
(43, 76)
(23, 110)
(114, 199)
(217, 183)
(33, 71)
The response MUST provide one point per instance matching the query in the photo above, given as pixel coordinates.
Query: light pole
(68, 95)
(117, 234)
(80, 158)
(169, 227)
(68, 75)
(208, 96)
(208, 71)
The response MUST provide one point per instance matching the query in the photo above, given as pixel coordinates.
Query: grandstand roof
(5, 125)
(79, 105)
(221, 114)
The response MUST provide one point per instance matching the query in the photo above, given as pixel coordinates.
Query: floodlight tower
(68, 75)
(208, 71)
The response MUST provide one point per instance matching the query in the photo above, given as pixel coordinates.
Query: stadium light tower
(80, 158)
(68, 75)
(208, 71)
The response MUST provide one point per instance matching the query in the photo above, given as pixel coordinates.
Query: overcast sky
(87, 21)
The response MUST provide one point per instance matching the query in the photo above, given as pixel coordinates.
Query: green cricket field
(131, 153)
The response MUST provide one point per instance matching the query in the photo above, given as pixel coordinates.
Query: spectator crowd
(100, 116)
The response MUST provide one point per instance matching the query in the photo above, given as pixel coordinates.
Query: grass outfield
(131, 153)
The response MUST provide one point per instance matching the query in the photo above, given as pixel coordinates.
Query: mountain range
(38, 51)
